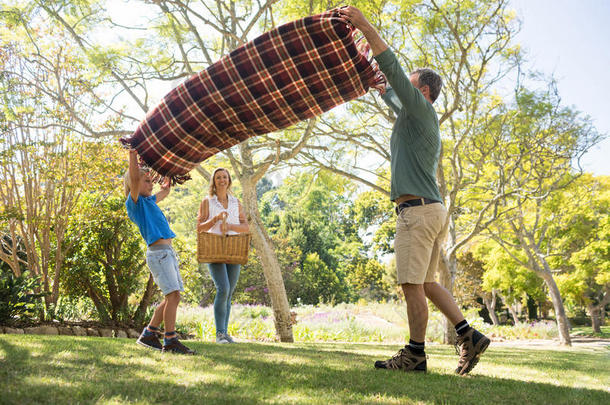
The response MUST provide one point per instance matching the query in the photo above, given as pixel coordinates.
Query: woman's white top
(215, 208)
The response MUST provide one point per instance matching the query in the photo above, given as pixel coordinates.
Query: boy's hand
(165, 189)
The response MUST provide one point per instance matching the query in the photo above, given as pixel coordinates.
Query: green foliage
(373, 213)
(318, 283)
(106, 263)
(366, 276)
(467, 285)
(583, 234)
(18, 300)
(314, 212)
(504, 274)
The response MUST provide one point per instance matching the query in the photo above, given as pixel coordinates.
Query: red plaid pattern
(294, 72)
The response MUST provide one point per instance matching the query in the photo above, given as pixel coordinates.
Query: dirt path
(583, 342)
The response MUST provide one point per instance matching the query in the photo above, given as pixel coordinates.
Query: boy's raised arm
(165, 189)
(134, 175)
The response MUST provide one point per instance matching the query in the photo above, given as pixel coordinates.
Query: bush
(17, 297)
(107, 262)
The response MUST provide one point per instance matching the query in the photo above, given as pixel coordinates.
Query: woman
(220, 204)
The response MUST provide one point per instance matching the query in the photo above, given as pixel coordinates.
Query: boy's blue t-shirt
(147, 215)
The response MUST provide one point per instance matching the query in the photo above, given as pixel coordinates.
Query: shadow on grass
(85, 370)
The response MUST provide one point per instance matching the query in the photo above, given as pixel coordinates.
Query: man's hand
(360, 22)
(355, 16)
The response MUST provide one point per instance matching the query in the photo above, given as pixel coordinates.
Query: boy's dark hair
(428, 77)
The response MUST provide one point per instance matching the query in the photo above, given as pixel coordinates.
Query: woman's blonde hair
(127, 180)
(212, 190)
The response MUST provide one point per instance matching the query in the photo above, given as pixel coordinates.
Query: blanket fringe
(155, 176)
(159, 178)
(126, 142)
(379, 82)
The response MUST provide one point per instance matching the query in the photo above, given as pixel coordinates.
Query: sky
(570, 39)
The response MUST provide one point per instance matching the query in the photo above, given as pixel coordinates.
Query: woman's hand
(224, 228)
(220, 216)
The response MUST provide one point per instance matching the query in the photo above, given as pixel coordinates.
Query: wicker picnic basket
(214, 248)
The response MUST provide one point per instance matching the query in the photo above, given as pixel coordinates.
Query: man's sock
(417, 347)
(462, 327)
(170, 337)
(149, 331)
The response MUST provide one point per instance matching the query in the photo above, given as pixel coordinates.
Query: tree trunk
(594, 311)
(490, 303)
(513, 313)
(532, 310)
(560, 313)
(448, 269)
(138, 316)
(271, 267)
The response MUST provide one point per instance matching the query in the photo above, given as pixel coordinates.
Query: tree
(44, 169)
(188, 36)
(554, 137)
(313, 220)
(582, 232)
(506, 278)
(107, 261)
(471, 45)
(468, 286)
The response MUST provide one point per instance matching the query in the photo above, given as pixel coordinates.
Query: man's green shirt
(415, 145)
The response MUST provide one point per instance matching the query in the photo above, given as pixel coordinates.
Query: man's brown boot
(404, 360)
(472, 344)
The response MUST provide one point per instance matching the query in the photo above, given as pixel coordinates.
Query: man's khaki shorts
(418, 242)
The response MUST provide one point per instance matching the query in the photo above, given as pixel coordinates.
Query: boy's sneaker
(175, 346)
(151, 341)
(222, 338)
(404, 360)
(472, 344)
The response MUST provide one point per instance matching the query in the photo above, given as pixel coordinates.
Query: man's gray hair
(428, 77)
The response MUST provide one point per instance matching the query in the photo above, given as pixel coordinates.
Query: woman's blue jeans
(225, 279)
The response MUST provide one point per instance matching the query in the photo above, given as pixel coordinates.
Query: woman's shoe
(220, 338)
(229, 338)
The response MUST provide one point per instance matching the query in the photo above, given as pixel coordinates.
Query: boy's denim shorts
(163, 264)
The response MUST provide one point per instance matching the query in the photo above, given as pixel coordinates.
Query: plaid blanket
(294, 72)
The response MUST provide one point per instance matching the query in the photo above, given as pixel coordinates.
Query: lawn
(62, 369)
(588, 331)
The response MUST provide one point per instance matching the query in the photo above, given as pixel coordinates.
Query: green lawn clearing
(588, 331)
(61, 369)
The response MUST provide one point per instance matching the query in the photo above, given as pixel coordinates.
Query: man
(415, 150)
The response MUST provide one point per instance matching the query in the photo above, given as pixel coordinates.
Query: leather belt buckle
(413, 203)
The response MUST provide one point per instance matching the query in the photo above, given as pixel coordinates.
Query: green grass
(62, 369)
(588, 331)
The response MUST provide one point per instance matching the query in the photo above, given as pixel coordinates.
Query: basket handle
(224, 221)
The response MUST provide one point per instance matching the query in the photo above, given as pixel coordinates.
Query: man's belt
(414, 203)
